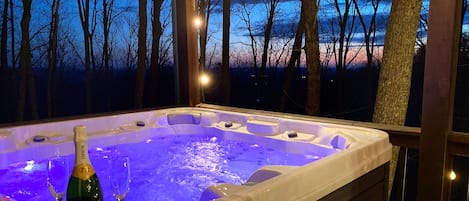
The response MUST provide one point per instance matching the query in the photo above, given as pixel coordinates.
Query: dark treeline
(62, 58)
(94, 60)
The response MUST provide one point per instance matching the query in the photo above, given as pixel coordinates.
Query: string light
(198, 22)
(204, 79)
(452, 175)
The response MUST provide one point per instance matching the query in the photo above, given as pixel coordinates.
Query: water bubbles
(213, 139)
(29, 166)
(313, 157)
(175, 167)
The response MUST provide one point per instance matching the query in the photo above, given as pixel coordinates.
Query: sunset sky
(284, 26)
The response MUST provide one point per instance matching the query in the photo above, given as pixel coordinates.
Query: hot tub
(286, 157)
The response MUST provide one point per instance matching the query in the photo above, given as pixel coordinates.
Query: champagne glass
(119, 176)
(57, 176)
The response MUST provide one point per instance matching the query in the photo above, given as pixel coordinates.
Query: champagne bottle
(83, 184)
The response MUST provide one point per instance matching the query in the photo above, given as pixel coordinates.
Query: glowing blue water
(177, 167)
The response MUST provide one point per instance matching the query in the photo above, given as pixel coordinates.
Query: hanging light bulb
(198, 22)
(452, 175)
(204, 79)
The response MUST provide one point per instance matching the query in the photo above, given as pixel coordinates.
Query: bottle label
(83, 171)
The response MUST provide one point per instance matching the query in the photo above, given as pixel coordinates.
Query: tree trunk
(368, 34)
(246, 17)
(294, 57)
(12, 75)
(155, 52)
(12, 33)
(4, 37)
(396, 69)
(204, 13)
(23, 63)
(4, 75)
(312, 57)
(141, 53)
(267, 35)
(129, 43)
(272, 7)
(108, 8)
(84, 11)
(226, 83)
(26, 73)
(91, 34)
(341, 57)
(52, 59)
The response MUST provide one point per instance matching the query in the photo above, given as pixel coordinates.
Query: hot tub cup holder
(228, 125)
(297, 136)
(138, 125)
(37, 139)
(40, 139)
(292, 134)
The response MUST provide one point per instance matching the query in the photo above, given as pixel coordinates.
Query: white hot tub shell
(350, 152)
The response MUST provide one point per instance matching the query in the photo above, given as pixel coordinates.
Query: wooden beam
(458, 144)
(185, 52)
(438, 98)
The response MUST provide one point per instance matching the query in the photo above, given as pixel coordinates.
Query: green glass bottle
(83, 184)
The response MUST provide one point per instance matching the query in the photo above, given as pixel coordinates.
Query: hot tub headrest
(183, 118)
(190, 117)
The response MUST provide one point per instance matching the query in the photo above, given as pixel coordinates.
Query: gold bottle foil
(83, 171)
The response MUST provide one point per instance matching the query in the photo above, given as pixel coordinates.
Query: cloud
(252, 2)
(285, 26)
(360, 38)
(218, 4)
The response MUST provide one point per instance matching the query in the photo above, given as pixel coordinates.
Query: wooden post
(185, 52)
(438, 98)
